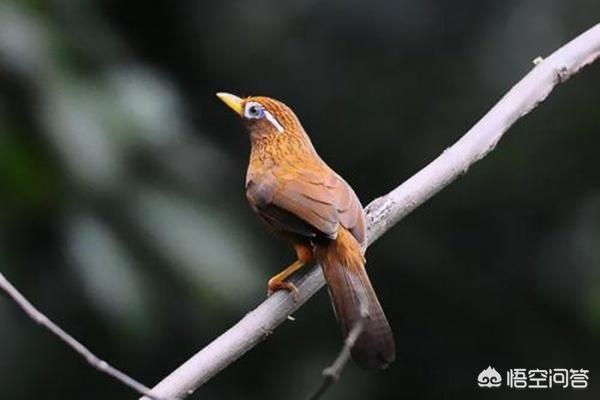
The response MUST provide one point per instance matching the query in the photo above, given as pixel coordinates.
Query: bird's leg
(277, 282)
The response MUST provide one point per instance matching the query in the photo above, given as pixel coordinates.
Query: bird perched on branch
(302, 200)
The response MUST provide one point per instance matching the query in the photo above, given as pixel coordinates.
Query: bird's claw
(275, 286)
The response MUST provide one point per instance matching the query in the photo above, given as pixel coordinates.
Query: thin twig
(332, 373)
(386, 211)
(70, 341)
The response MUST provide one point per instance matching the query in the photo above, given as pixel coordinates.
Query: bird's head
(264, 117)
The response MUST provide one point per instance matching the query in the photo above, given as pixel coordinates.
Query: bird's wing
(307, 202)
(350, 211)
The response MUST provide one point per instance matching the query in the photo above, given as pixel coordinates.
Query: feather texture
(304, 201)
(354, 299)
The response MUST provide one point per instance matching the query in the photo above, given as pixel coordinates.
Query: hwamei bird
(302, 200)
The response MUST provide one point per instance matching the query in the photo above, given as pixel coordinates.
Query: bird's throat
(282, 150)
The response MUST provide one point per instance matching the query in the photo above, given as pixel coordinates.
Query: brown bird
(302, 200)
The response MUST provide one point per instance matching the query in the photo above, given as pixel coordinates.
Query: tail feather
(354, 299)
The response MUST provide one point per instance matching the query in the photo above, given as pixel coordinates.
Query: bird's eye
(254, 111)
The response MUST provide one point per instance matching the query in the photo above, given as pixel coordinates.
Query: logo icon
(489, 378)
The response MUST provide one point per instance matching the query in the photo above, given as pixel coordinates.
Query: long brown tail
(352, 295)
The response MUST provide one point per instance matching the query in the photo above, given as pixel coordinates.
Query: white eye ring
(254, 110)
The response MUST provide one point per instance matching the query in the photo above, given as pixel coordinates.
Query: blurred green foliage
(122, 210)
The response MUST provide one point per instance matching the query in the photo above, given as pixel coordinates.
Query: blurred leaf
(147, 104)
(89, 152)
(204, 245)
(108, 274)
(24, 40)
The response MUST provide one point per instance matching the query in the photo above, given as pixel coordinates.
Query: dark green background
(123, 214)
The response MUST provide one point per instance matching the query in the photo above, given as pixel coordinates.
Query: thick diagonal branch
(386, 211)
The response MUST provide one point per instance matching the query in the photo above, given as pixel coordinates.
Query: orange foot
(275, 285)
(278, 282)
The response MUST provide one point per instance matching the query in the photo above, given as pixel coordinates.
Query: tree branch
(70, 341)
(332, 373)
(386, 211)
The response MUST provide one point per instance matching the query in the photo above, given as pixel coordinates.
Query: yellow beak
(234, 102)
